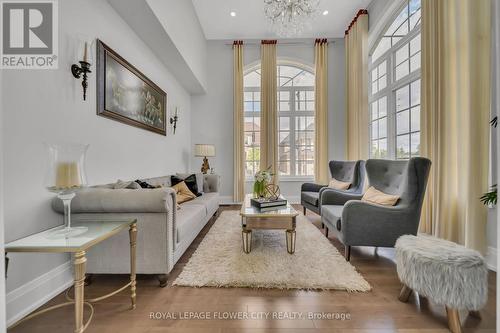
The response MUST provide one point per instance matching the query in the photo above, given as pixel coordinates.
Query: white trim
(491, 258)
(30, 296)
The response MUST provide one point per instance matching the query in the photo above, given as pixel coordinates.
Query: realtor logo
(29, 34)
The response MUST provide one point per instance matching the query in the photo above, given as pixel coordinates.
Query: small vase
(259, 189)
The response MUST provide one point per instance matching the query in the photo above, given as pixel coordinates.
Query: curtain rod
(279, 43)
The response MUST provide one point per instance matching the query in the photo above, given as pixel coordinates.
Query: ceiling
(250, 23)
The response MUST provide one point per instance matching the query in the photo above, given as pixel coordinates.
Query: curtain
(238, 126)
(268, 115)
(321, 111)
(356, 53)
(455, 117)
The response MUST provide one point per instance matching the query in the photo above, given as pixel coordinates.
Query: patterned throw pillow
(373, 195)
(183, 193)
(144, 184)
(190, 182)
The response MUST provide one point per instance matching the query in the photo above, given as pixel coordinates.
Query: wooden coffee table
(252, 218)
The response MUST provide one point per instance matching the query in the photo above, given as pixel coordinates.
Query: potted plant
(262, 178)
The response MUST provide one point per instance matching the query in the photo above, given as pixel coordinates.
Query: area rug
(219, 261)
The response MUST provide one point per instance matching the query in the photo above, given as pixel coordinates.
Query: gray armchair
(359, 223)
(346, 171)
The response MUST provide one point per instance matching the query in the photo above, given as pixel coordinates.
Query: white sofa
(164, 233)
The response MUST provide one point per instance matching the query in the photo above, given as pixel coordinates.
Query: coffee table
(283, 218)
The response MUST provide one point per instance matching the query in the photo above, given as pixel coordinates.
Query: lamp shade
(204, 150)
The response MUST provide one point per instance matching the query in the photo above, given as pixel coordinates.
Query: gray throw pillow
(120, 184)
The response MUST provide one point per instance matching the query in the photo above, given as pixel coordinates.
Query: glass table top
(85, 235)
(248, 210)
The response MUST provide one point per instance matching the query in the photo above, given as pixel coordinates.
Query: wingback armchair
(346, 171)
(360, 223)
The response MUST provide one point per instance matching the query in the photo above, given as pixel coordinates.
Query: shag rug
(219, 261)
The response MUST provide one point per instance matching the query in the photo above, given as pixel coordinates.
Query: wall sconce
(84, 67)
(174, 119)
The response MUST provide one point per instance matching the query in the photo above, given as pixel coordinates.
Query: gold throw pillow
(183, 193)
(338, 185)
(375, 196)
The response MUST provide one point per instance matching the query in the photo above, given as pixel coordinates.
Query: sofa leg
(405, 293)
(88, 279)
(475, 314)
(322, 226)
(453, 320)
(347, 252)
(326, 232)
(304, 211)
(162, 278)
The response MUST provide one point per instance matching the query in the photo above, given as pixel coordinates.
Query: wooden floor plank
(378, 311)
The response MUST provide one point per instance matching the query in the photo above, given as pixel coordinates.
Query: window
(295, 121)
(395, 87)
(251, 109)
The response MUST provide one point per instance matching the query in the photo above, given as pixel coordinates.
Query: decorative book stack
(265, 204)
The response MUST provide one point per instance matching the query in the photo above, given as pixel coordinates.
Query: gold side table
(50, 241)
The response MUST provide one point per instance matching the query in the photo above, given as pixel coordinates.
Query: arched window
(296, 121)
(395, 87)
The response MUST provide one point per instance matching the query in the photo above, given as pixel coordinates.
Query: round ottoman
(445, 272)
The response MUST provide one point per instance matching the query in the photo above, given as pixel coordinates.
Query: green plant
(490, 197)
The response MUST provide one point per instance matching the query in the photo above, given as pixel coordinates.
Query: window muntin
(252, 129)
(406, 21)
(395, 105)
(295, 103)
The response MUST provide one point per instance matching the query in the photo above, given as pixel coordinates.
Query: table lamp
(204, 150)
(65, 175)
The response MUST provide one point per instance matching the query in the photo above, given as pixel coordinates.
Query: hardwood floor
(373, 312)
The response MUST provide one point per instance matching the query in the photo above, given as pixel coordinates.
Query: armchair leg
(304, 211)
(326, 232)
(347, 253)
(322, 226)
(162, 278)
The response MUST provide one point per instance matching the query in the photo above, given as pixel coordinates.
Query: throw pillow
(120, 184)
(338, 185)
(183, 193)
(199, 179)
(375, 196)
(190, 183)
(144, 184)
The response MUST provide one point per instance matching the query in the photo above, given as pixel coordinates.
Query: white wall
(2, 267)
(184, 29)
(212, 118)
(46, 106)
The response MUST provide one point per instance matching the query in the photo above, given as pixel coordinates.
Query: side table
(50, 241)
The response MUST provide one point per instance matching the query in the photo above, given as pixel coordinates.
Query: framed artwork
(126, 95)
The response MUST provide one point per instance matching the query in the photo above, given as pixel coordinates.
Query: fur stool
(446, 273)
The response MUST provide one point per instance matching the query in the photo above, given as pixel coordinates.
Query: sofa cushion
(210, 201)
(332, 213)
(188, 218)
(311, 198)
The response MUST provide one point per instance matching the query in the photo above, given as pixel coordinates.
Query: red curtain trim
(265, 41)
(360, 12)
(321, 41)
(238, 42)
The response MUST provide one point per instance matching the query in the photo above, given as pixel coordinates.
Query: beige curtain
(238, 126)
(269, 116)
(321, 107)
(356, 54)
(455, 117)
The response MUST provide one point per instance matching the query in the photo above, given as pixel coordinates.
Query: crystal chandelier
(290, 17)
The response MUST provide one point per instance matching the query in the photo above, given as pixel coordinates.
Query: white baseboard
(28, 297)
(491, 258)
(228, 200)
